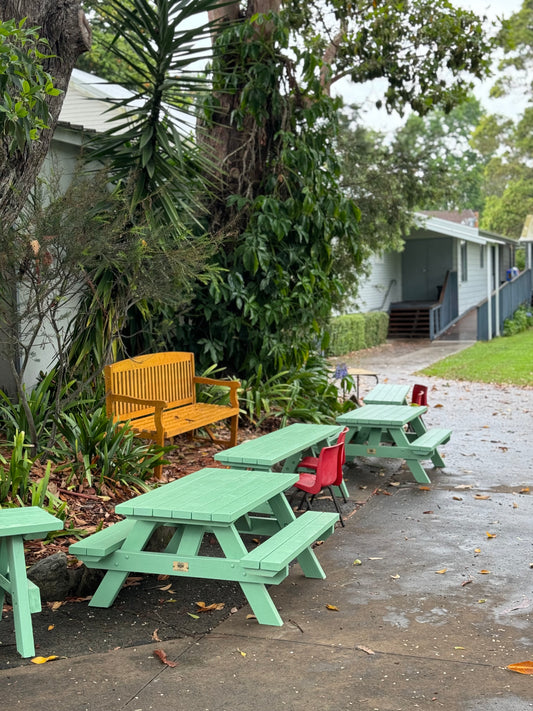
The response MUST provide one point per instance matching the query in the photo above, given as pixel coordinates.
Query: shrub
(522, 320)
(355, 332)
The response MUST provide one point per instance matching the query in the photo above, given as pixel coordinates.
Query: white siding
(474, 289)
(381, 286)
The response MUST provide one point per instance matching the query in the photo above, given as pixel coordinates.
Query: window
(464, 262)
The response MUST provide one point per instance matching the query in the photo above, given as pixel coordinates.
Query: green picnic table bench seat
(287, 544)
(104, 542)
(426, 443)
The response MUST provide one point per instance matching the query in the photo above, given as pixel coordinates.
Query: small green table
(387, 394)
(217, 501)
(16, 526)
(288, 445)
(378, 431)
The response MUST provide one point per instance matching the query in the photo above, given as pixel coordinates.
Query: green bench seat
(104, 542)
(287, 544)
(426, 443)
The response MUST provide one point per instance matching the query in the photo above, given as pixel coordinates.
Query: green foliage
(522, 320)
(355, 332)
(306, 394)
(100, 451)
(24, 85)
(15, 474)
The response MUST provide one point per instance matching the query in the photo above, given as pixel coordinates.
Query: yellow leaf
(477, 550)
(522, 667)
(491, 535)
(481, 601)
(395, 577)
(484, 572)
(243, 654)
(441, 572)
(195, 617)
(357, 562)
(525, 490)
(458, 647)
(50, 627)
(332, 607)
(43, 660)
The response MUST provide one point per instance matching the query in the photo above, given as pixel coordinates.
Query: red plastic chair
(312, 462)
(420, 395)
(328, 474)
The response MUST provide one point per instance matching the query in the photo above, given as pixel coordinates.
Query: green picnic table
(379, 431)
(288, 445)
(387, 394)
(221, 502)
(16, 526)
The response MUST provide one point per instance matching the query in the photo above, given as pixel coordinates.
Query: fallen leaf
(243, 654)
(160, 654)
(365, 649)
(394, 483)
(481, 497)
(195, 617)
(463, 486)
(515, 505)
(441, 572)
(163, 577)
(395, 577)
(375, 559)
(484, 572)
(481, 601)
(525, 490)
(251, 617)
(477, 550)
(50, 627)
(457, 498)
(234, 610)
(43, 660)
(427, 512)
(521, 667)
(332, 607)
(171, 599)
(458, 647)
(466, 582)
(155, 637)
(202, 607)
(256, 540)
(424, 488)
(438, 405)
(166, 587)
(56, 605)
(491, 535)
(357, 562)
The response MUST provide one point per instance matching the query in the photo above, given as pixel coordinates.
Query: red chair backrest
(340, 440)
(420, 395)
(329, 465)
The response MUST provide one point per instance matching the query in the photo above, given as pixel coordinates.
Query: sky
(367, 95)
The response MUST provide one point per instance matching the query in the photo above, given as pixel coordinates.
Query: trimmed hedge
(355, 332)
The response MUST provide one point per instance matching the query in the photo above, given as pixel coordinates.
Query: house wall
(382, 285)
(425, 261)
(474, 289)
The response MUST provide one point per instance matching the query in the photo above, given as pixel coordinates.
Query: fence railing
(511, 295)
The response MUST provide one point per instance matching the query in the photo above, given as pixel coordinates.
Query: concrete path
(429, 609)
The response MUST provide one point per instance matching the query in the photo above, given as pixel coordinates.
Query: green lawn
(502, 360)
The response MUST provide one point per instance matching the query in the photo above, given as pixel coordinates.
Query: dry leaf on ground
(522, 667)
(162, 656)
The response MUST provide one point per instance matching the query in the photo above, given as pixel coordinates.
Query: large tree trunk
(64, 25)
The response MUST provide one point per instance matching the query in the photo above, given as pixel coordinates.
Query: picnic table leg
(437, 460)
(3, 571)
(20, 596)
(417, 470)
(307, 559)
(256, 593)
(113, 580)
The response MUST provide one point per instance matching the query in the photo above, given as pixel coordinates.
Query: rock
(51, 575)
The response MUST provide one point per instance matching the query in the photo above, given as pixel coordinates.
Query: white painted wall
(372, 295)
(474, 289)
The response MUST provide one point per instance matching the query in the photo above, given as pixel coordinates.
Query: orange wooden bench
(156, 393)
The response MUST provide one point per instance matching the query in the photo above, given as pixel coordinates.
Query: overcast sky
(366, 96)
